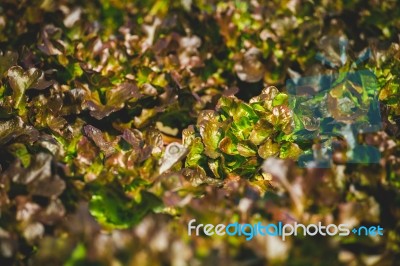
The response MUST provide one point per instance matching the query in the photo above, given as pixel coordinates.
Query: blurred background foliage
(91, 92)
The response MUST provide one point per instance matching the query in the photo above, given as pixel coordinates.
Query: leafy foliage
(92, 92)
(233, 140)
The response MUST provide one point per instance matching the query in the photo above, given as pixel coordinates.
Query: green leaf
(228, 146)
(281, 118)
(195, 155)
(268, 149)
(20, 151)
(246, 150)
(281, 98)
(115, 100)
(248, 169)
(261, 131)
(237, 109)
(241, 129)
(20, 81)
(78, 256)
(211, 133)
(112, 208)
(290, 151)
(216, 168)
(233, 162)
